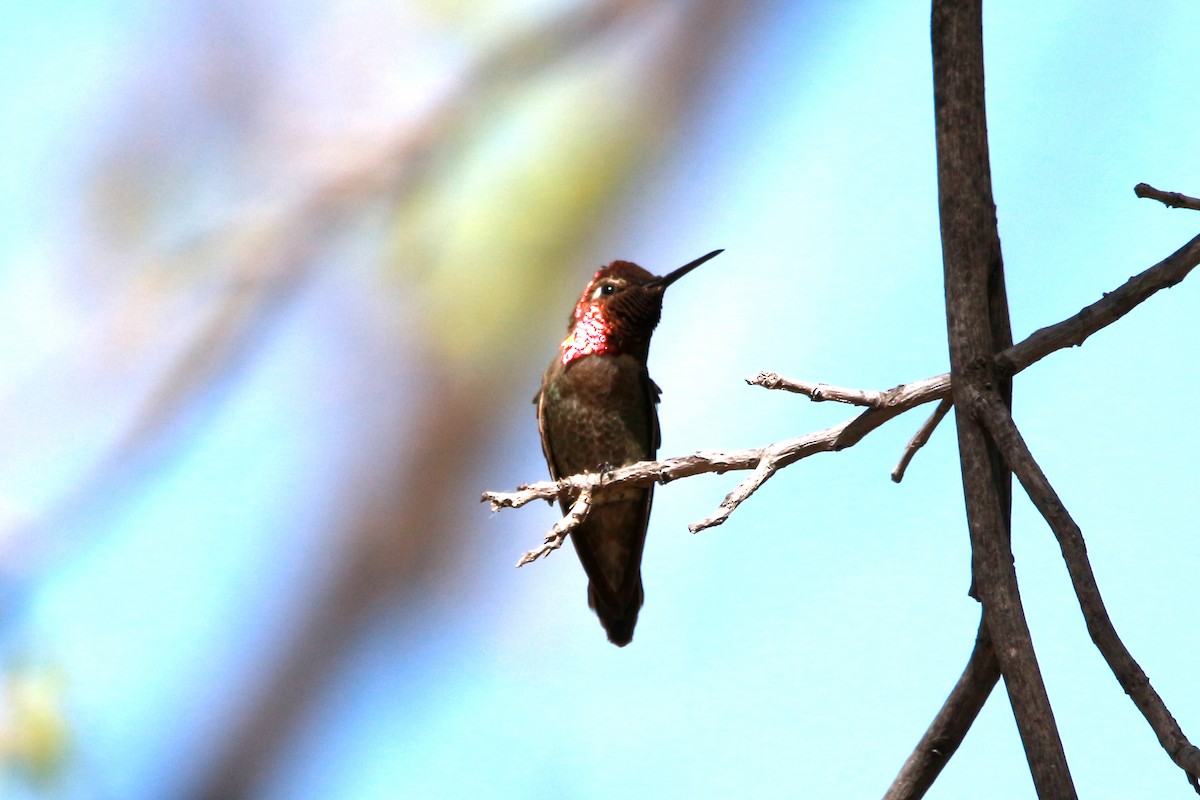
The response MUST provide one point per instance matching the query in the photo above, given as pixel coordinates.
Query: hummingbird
(597, 411)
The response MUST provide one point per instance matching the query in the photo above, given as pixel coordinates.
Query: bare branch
(884, 405)
(552, 490)
(1074, 330)
(952, 722)
(922, 437)
(1133, 680)
(817, 391)
(1171, 199)
(977, 328)
(558, 534)
(764, 460)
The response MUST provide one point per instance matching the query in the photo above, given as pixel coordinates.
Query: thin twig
(558, 534)
(1133, 680)
(818, 392)
(1171, 199)
(922, 437)
(765, 461)
(952, 722)
(765, 469)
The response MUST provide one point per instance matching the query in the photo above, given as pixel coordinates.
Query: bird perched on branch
(597, 411)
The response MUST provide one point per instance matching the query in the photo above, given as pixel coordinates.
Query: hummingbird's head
(619, 309)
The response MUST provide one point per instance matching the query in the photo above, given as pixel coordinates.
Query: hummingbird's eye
(604, 290)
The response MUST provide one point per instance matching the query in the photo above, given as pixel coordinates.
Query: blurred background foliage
(278, 283)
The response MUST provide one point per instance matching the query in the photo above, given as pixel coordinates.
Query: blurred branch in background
(257, 257)
(477, 206)
(466, 242)
(473, 315)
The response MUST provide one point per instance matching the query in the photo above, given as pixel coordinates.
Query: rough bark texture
(977, 321)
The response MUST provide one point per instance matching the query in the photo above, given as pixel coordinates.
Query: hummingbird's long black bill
(671, 277)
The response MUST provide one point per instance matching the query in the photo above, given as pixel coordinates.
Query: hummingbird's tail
(617, 614)
(609, 543)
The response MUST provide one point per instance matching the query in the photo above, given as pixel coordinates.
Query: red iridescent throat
(591, 335)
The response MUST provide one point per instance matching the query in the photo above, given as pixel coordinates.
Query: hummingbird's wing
(539, 400)
(655, 394)
(610, 541)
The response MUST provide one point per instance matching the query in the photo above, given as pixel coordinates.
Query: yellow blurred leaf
(493, 238)
(34, 734)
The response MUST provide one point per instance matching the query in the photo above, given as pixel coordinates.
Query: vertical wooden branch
(977, 321)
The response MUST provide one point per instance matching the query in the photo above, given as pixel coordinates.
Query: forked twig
(558, 534)
(1003, 431)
